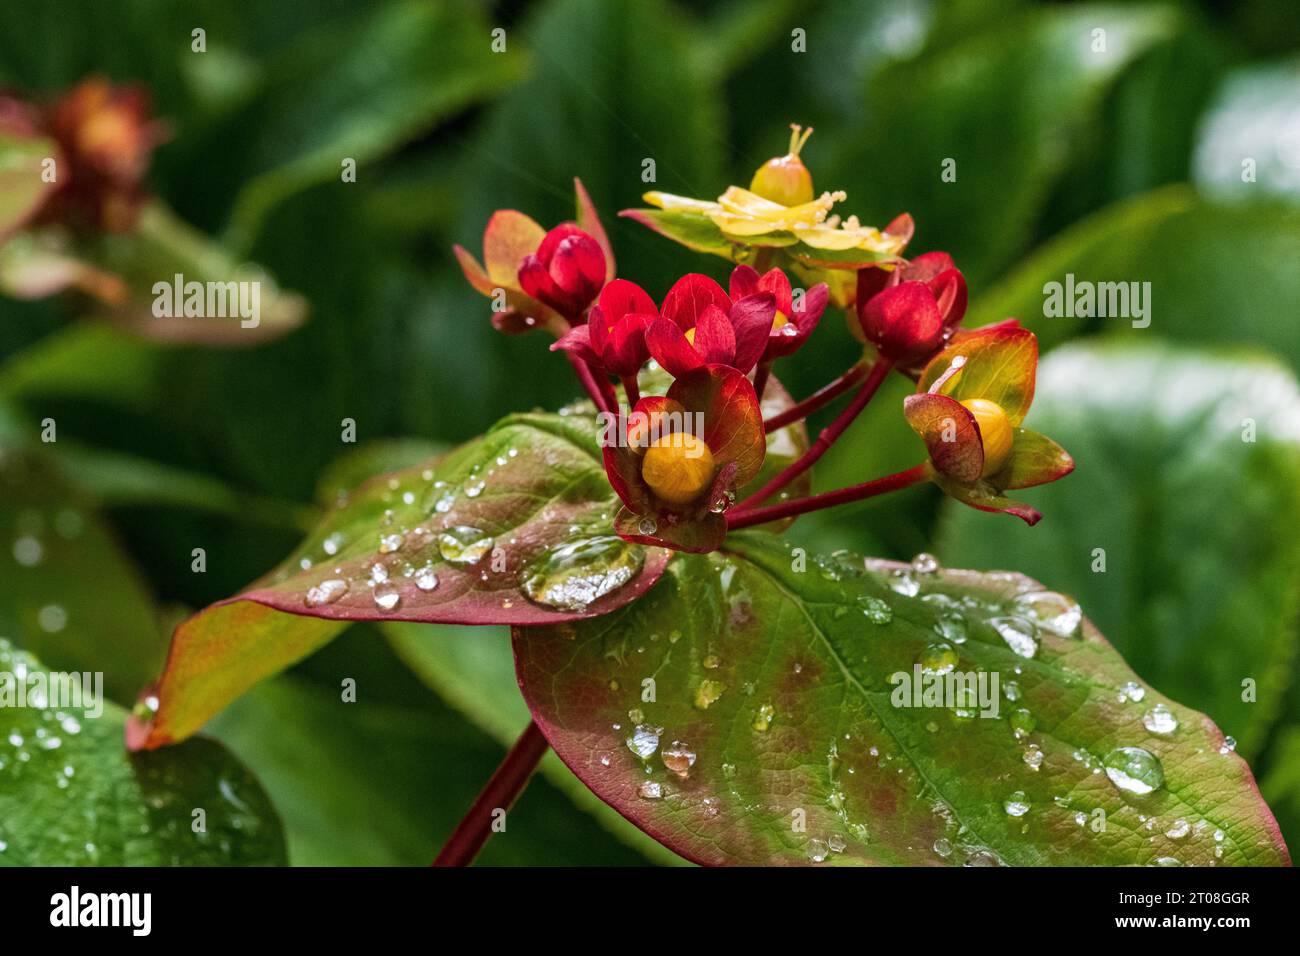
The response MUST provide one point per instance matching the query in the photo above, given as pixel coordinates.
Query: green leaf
(361, 90)
(513, 527)
(23, 188)
(1250, 121)
(475, 673)
(383, 779)
(70, 794)
(1218, 273)
(68, 593)
(1017, 94)
(1188, 473)
(772, 736)
(690, 229)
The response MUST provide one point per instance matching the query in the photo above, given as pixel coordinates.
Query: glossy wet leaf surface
(70, 794)
(1176, 530)
(510, 528)
(772, 737)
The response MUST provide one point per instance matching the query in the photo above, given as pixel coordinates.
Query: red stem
(843, 496)
(632, 389)
(824, 441)
(760, 378)
(823, 396)
(588, 380)
(501, 792)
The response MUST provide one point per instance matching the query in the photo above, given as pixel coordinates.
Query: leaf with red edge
(511, 528)
(773, 735)
(983, 496)
(691, 230)
(1001, 362)
(950, 432)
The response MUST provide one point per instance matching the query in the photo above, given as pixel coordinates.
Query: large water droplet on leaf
(1051, 611)
(463, 545)
(1160, 720)
(327, 592)
(1134, 770)
(1020, 635)
(575, 574)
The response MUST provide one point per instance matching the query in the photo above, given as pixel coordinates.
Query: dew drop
(763, 718)
(1133, 691)
(1228, 746)
(387, 597)
(707, 693)
(875, 610)
(925, 563)
(938, 658)
(644, 741)
(650, 790)
(425, 579)
(327, 592)
(463, 545)
(1134, 770)
(1020, 635)
(1052, 611)
(1160, 720)
(577, 573)
(1016, 805)
(678, 757)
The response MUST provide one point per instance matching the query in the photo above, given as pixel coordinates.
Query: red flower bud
(793, 324)
(566, 272)
(912, 311)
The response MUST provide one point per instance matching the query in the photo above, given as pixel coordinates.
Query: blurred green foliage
(1123, 164)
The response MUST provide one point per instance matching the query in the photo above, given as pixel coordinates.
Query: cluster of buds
(687, 454)
(104, 136)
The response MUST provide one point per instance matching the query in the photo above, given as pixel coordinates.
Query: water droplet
(1179, 830)
(1166, 861)
(763, 718)
(1016, 805)
(903, 581)
(875, 609)
(938, 658)
(1033, 756)
(425, 579)
(1022, 723)
(678, 757)
(647, 525)
(707, 693)
(575, 574)
(650, 790)
(952, 627)
(1160, 720)
(327, 592)
(981, 857)
(943, 848)
(1131, 690)
(1020, 635)
(463, 545)
(1134, 770)
(474, 488)
(644, 741)
(390, 543)
(816, 850)
(332, 544)
(387, 597)
(1229, 745)
(925, 563)
(1051, 611)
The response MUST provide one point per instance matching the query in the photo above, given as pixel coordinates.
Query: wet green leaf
(743, 712)
(70, 794)
(514, 527)
(1206, 272)
(68, 593)
(1175, 531)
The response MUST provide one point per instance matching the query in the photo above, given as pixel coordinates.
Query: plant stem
(824, 441)
(843, 496)
(760, 378)
(823, 396)
(501, 792)
(632, 389)
(588, 380)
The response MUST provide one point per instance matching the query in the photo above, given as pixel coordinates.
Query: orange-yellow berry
(995, 429)
(678, 468)
(785, 179)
